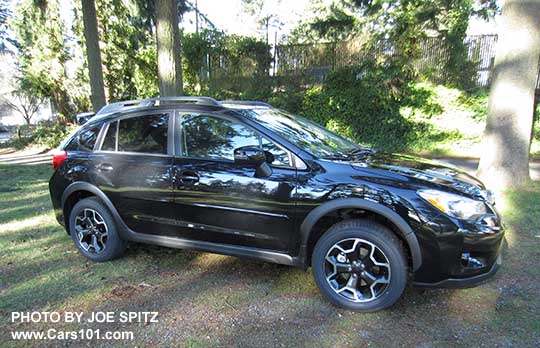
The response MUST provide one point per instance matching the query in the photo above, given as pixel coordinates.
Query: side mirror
(249, 155)
(256, 157)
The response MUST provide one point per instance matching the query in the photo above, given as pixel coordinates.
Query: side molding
(359, 203)
(127, 234)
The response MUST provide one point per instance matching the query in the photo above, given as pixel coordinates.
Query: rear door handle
(104, 167)
(188, 177)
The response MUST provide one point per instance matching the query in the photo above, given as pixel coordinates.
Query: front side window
(143, 134)
(109, 141)
(84, 140)
(216, 138)
(302, 132)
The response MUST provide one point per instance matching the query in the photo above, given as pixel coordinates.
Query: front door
(219, 201)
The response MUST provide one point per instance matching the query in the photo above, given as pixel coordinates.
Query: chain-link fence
(320, 58)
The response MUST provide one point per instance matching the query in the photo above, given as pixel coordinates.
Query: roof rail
(245, 103)
(119, 106)
(184, 99)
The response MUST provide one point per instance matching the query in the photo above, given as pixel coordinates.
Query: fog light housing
(469, 261)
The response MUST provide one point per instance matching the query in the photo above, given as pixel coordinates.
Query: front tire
(94, 232)
(360, 265)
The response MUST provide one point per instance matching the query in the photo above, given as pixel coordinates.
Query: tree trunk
(168, 49)
(93, 54)
(27, 118)
(505, 158)
(63, 107)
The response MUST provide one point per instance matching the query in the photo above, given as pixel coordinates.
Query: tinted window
(109, 142)
(302, 132)
(145, 134)
(84, 140)
(216, 138)
(281, 157)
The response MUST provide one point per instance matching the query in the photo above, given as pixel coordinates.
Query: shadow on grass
(213, 300)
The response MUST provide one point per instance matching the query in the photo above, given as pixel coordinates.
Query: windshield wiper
(363, 151)
(337, 156)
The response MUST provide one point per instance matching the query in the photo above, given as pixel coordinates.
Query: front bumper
(453, 283)
(458, 255)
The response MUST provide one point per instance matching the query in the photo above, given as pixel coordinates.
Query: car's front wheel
(360, 265)
(94, 231)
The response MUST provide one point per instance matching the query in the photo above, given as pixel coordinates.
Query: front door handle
(104, 167)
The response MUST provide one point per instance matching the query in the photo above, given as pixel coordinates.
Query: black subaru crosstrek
(250, 180)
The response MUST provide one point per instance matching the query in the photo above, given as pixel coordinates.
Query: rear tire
(360, 265)
(94, 232)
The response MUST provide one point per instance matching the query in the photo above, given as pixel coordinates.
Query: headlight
(454, 205)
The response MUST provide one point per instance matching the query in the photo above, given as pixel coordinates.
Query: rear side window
(144, 134)
(85, 140)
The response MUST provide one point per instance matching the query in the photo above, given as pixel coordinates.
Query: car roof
(231, 108)
(204, 104)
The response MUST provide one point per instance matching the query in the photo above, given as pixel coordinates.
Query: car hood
(419, 172)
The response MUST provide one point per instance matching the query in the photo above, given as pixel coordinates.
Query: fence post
(275, 54)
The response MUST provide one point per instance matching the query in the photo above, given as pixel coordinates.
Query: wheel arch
(80, 190)
(402, 228)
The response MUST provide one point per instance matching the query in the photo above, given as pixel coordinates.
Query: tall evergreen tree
(4, 15)
(93, 54)
(42, 53)
(168, 48)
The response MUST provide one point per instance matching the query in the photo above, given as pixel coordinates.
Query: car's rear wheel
(360, 265)
(94, 231)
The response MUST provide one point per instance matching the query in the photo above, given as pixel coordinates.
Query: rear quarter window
(84, 140)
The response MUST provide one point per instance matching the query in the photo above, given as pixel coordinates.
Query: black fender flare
(84, 186)
(359, 203)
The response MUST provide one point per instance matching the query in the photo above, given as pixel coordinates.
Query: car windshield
(302, 132)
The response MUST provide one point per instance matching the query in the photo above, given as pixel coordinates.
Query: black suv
(250, 180)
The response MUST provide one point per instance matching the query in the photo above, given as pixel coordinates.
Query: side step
(217, 248)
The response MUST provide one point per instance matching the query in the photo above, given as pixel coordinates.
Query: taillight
(58, 158)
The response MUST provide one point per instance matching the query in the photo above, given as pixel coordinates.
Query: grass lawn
(207, 300)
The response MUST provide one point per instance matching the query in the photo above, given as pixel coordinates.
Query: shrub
(364, 104)
(47, 134)
(50, 134)
(290, 91)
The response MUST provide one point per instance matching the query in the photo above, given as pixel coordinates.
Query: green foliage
(5, 13)
(477, 102)
(378, 105)
(144, 74)
(47, 134)
(128, 54)
(226, 66)
(18, 142)
(397, 30)
(404, 24)
(50, 134)
(536, 122)
(363, 103)
(335, 24)
(42, 53)
(290, 92)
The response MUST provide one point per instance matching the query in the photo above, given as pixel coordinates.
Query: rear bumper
(463, 282)
(55, 191)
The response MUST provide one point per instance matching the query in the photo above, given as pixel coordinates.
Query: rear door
(219, 201)
(133, 167)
